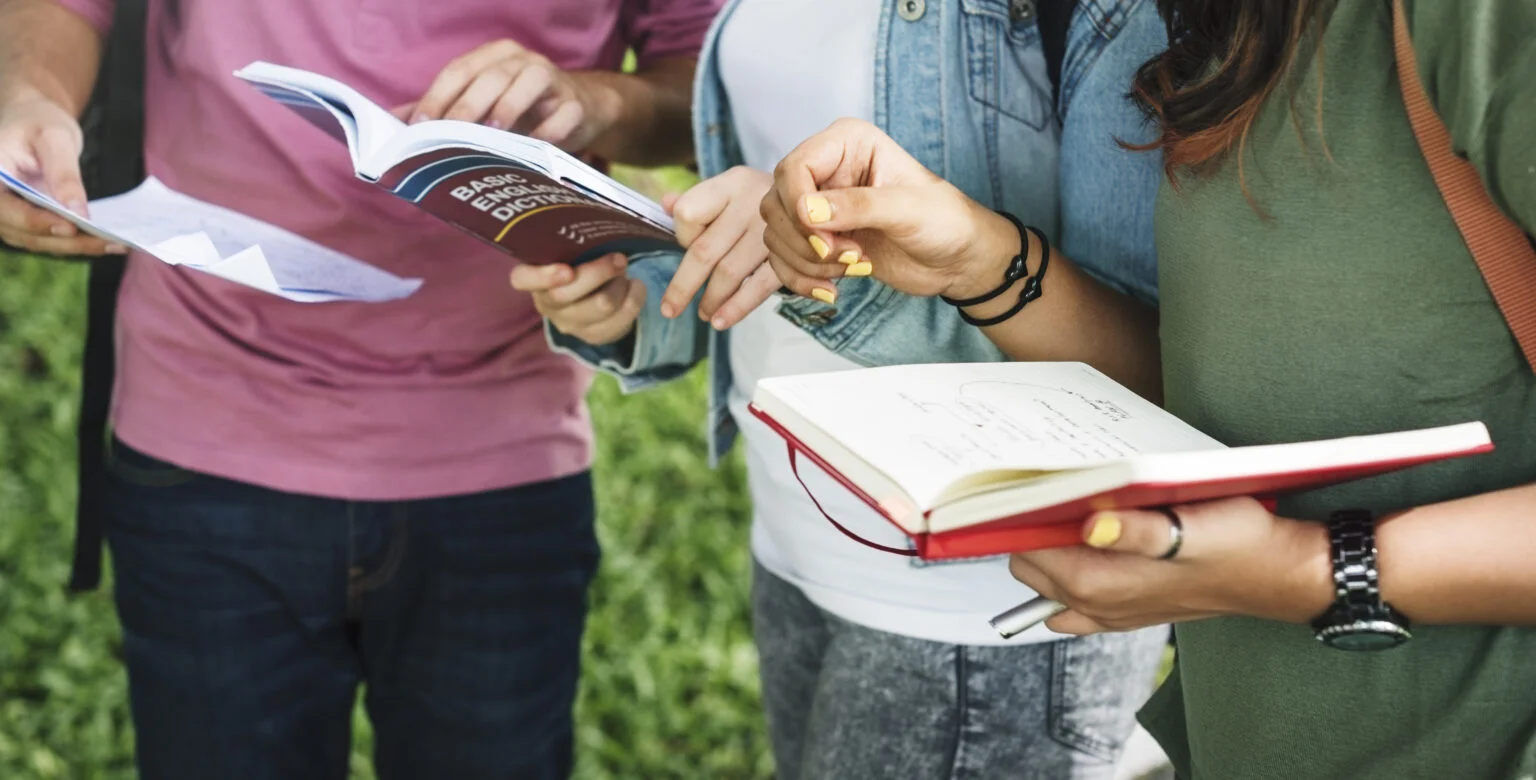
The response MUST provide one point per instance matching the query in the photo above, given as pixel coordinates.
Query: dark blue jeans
(250, 617)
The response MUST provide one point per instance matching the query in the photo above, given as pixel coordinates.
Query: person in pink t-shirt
(305, 498)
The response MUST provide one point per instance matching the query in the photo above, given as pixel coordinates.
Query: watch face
(1372, 635)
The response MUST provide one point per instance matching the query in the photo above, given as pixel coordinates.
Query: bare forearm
(650, 114)
(1468, 561)
(1076, 318)
(49, 50)
(1465, 562)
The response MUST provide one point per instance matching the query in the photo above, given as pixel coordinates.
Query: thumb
(404, 111)
(58, 153)
(884, 209)
(668, 201)
(541, 278)
(1148, 533)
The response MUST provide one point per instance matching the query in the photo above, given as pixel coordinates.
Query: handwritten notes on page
(180, 230)
(936, 427)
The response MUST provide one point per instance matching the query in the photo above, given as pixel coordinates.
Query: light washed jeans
(846, 702)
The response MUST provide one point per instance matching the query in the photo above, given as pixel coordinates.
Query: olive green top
(1356, 308)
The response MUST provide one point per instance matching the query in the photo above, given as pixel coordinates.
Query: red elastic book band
(794, 466)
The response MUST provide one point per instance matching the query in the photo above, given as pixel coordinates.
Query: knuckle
(747, 263)
(61, 132)
(508, 66)
(849, 202)
(687, 210)
(739, 267)
(35, 221)
(1117, 623)
(1086, 594)
(1017, 568)
(705, 251)
(539, 74)
(603, 305)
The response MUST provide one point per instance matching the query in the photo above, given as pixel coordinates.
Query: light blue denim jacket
(962, 86)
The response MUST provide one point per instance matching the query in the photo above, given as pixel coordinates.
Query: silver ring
(1175, 533)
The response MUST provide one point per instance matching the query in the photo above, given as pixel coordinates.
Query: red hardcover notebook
(982, 459)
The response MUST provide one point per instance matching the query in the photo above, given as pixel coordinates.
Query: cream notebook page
(944, 432)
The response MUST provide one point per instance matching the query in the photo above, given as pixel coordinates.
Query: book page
(339, 110)
(181, 230)
(940, 431)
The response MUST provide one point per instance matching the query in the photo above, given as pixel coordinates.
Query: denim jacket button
(911, 10)
(1021, 11)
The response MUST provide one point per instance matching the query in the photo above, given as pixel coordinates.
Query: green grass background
(670, 675)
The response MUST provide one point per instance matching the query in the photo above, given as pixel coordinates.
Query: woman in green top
(1313, 284)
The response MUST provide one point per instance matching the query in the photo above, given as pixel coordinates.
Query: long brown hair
(1225, 58)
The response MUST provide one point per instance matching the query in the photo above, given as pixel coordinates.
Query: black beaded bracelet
(1017, 269)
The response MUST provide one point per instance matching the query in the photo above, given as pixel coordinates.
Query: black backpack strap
(113, 163)
(1054, 17)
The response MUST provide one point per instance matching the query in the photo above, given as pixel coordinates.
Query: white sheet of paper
(184, 231)
(245, 250)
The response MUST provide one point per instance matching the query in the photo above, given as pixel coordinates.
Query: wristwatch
(1358, 619)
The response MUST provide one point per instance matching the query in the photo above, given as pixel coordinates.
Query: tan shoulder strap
(1502, 250)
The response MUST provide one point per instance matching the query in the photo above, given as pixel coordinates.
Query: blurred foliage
(670, 675)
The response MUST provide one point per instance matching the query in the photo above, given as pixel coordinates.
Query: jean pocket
(137, 468)
(1004, 63)
(1096, 687)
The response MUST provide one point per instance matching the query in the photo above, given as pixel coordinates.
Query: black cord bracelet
(1018, 269)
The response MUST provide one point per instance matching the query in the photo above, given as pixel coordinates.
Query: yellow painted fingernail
(1105, 531)
(817, 209)
(859, 269)
(822, 250)
(824, 295)
(848, 257)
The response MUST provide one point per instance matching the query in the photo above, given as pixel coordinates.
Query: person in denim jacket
(875, 665)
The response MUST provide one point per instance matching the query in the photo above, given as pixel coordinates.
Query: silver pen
(1025, 616)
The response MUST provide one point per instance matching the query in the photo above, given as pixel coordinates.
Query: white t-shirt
(792, 67)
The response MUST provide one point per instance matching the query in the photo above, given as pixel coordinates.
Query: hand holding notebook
(983, 459)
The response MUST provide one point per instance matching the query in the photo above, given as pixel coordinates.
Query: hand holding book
(506, 86)
(984, 459)
(1237, 558)
(594, 302)
(524, 196)
(40, 143)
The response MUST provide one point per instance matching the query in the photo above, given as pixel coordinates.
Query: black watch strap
(1359, 618)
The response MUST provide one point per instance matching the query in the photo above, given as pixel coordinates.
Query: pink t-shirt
(451, 390)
